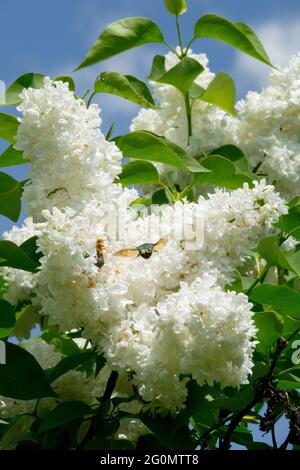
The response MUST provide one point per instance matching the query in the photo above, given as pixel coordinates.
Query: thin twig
(274, 437)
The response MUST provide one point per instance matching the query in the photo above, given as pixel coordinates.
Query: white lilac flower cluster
(269, 130)
(164, 316)
(70, 158)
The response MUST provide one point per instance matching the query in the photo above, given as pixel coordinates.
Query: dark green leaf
(236, 156)
(22, 377)
(10, 197)
(270, 327)
(144, 145)
(68, 363)
(125, 86)
(160, 197)
(139, 172)
(8, 127)
(7, 316)
(11, 157)
(100, 363)
(15, 257)
(229, 151)
(110, 132)
(30, 248)
(221, 93)
(222, 173)
(121, 36)
(63, 414)
(171, 433)
(181, 76)
(238, 35)
(28, 80)
(176, 7)
(198, 406)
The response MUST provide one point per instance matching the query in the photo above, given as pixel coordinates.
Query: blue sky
(52, 37)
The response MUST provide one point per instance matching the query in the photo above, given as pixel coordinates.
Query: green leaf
(238, 35)
(196, 91)
(139, 172)
(125, 86)
(270, 327)
(10, 198)
(232, 152)
(11, 157)
(241, 435)
(63, 414)
(222, 173)
(221, 93)
(181, 76)
(16, 257)
(141, 201)
(158, 67)
(66, 79)
(144, 145)
(294, 202)
(290, 223)
(176, 7)
(62, 342)
(7, 315)
(236, 156)
(68, 363)
(270, 250)
(28, 80)
(8, 127)
(26, 316)
(282, 298)
(293, 260)
(288, 385)
(121, 36)
(22, 377)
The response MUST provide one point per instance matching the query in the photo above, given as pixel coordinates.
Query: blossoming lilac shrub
(163, 285)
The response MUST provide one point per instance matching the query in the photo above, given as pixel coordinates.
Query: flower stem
(179, 36)
(188, 115)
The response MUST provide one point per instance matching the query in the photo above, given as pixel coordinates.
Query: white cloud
(281, 39)
(2, 88)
